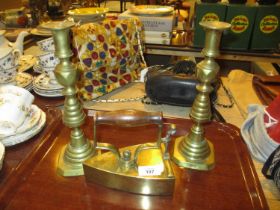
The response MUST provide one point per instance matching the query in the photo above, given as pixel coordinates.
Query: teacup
(46, 44)
(12, 117)
(50, 73)
(14, 107)
(7, 75)
(19, 95)
(48, 60)
(9, 58)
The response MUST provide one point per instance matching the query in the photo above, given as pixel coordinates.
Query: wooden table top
(29, 180)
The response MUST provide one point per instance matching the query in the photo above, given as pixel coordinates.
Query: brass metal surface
(121, 168)
(79, 148)
(106, 169)
(194, 150)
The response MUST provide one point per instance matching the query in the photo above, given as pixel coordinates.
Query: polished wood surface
(29, 179)
(46, 102)
(20, 159)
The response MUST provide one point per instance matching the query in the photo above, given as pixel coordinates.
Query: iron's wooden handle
(127, 118)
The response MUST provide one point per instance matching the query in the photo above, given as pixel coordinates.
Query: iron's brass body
(194, 150)
(107, 169)
(79, 148)
(118, 168)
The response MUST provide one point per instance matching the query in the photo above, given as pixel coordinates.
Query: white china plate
(43, 82)
(57, 93)
(13, 140)
(151, 10)
(26, 62)
(38, 68)
(23, 80)
(48, 91)
(29, 87)
(2, 154)
(31, 120)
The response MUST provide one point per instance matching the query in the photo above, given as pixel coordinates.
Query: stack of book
(157, 29)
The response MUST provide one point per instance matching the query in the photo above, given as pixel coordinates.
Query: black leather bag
(173, 85)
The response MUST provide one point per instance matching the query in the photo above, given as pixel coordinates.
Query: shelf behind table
(185, 48)
(29, 178)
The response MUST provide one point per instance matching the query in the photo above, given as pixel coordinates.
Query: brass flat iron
(143, 168)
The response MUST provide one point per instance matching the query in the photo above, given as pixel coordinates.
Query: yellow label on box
(210, 17)
(239, 24)
(269, 24)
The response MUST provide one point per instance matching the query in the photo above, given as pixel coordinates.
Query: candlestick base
(187, 161)
(69, 165)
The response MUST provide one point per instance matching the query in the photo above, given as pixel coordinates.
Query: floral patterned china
(46, 45)
(9, 58)
(12, 116)
(23, 80)
(7, 75)
(8, 64)
(30, 121)
(26, 62)
(43, 85)
(19, 138)
(38, 68)
(42, 82)
(20, 119)
(54, 93)
(15, 104)
(48, 60)
(20, 94)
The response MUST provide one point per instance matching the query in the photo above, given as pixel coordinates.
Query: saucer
(48, 94)
(38, 68)
(43, 82)
(19, 138)
(26, 62)
(23, 80)
(31, 120)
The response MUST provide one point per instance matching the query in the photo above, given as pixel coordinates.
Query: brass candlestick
(79, 148)
(194, 150)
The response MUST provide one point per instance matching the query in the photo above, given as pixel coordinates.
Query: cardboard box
(158, 34)
(242, 18)
(156, 40)
(266, 33)
(153, 23)
(206, 12)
